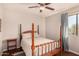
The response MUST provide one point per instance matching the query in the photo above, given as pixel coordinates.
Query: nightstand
(11, 43)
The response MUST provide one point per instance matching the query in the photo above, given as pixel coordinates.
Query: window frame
(77, 19)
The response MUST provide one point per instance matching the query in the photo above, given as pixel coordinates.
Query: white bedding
(26, 45)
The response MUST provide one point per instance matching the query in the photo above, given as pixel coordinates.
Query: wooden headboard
(28, 31)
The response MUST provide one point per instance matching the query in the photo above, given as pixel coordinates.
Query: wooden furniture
(46, 45)
(9, 45)
(12, 52)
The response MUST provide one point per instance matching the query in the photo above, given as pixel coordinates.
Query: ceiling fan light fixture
(42, 8)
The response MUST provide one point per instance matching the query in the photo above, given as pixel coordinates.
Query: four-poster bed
(37, 46)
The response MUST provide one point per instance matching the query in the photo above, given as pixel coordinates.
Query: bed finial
(32, 24)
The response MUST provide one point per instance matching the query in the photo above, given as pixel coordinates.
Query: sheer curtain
(64, 25)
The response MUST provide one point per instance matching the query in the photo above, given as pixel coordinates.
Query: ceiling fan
(42, 6)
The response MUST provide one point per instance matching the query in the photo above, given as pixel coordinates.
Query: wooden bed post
(33, 39)
(38, 29)
(20, 34)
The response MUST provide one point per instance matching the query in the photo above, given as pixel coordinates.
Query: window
(72, 24)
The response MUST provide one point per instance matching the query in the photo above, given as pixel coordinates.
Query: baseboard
(74, 52)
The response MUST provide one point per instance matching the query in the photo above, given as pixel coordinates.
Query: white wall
(15, 14)
(53, 26)
(74, 44)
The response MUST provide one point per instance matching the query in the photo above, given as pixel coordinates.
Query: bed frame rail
(46, 46)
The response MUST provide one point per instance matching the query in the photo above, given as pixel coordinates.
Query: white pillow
(27, 35)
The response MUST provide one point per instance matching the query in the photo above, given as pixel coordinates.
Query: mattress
(27, 43)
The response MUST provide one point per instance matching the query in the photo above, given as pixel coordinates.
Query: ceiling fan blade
(50, 8)
(41, 4)
(33, 7)
(47, 3)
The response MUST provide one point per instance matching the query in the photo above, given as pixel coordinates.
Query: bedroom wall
(14, 15)
(53, 26)
(73, 44)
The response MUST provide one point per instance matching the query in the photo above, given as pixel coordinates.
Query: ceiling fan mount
(42, 6)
